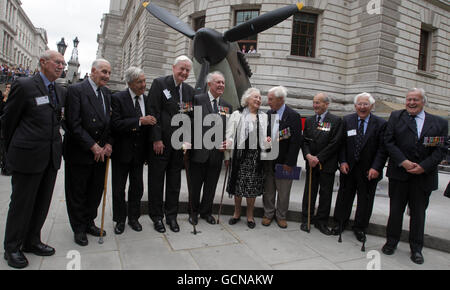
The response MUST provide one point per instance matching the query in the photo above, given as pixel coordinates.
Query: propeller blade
(165, 16)
(261, 23)
(201, 86)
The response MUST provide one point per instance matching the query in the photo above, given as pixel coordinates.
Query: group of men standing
(134, 129)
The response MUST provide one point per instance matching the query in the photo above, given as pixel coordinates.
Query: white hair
(279, 92)
(132, 74)
(210, 76)
(182, 58)
(422, 93)
(46, 55)
(97, 62)
(367, 95)
(247, 94)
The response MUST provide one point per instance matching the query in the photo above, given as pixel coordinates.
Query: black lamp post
(75, 42)
(62, 46)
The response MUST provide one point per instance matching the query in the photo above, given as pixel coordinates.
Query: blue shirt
(46, 81)
(366, 123)
(420, 119)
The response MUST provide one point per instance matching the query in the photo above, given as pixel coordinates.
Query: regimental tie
(359, 139)
(215, 108)
(100, 98)
(413, 124)
(137, 107)
(319, 118)
(52, 94)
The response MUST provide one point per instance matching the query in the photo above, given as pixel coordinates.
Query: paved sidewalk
(223, 246)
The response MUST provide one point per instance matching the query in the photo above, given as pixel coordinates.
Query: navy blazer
(288, 148)
(86, 121)
(401, 144)
(373, 153)
(31, 128)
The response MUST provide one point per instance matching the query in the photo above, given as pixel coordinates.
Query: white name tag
(42, 100)
(351, 133)
(167, 94)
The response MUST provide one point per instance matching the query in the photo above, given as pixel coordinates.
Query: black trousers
(164, 167)
(322, 183)
(204, 175)
(351, 184)
(30, 201)
(120, 174)
(84, 189)
(402, 193)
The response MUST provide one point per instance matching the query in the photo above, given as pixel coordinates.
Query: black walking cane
(188, 179)
(309, 196)
(227, 165)
(105, 189)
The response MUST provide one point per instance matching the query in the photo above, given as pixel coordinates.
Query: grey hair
(132, 74)
(371, 99)
(182, 58)
(422, 93)
(97, 62)
(45, 55)
(247, 94)
(279, 92)
(209, 77)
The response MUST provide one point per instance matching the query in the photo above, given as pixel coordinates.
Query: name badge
(167, 94)
(351, 133)
(42, 100)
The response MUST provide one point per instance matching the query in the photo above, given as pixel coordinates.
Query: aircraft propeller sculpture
(216, 51)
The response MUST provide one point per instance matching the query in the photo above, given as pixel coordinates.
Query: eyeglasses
(365, 105)
(58, 62)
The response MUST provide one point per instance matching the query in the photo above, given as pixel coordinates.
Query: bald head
(320, 103)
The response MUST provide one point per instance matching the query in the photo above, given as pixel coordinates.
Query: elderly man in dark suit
(130, 124)
(206, 161)
(285, 128)
(87, 144)
(322, 138)
(31, 126)
(168, 96)
(414, 140)
(362, 158)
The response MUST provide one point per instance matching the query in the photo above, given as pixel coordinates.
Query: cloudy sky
(70, 19)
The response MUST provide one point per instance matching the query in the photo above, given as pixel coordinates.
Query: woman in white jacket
(247, 140)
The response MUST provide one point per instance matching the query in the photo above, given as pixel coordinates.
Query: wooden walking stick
(309, 199)
(227, 165)
(188, 180)
(105, 189)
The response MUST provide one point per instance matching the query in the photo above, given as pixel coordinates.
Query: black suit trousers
(204, 175)
(351, 184)
(84, 185)
(120, 173)
(164, 167)
(30, 201)
(325, 181)
(402, 193)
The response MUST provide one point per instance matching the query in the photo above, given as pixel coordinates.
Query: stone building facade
(342, 47)
(21, 42)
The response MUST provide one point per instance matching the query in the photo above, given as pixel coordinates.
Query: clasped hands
(412, 167)
(101, 152)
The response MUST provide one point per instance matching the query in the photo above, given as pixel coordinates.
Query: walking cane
(227, 165)
(188, 179)
(105, 188)
(309, 196)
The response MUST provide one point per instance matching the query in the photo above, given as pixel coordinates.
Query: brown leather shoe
(282, 223)
(266, 221)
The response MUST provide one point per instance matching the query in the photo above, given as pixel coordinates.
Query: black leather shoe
(336, 231)
(16, 259)
(135, 225)
(304, 227)
(193, 220)
(159, 226)
(417, 258)
(388, 250)
(173, 225)
(323, 229)
(119, 228)
(360, 235)
(234, 221)
(40, 250)
(251, 224)
(209, 219)
(81, 239)
(94, 230)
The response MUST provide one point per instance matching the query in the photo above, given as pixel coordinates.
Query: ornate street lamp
(62, 46)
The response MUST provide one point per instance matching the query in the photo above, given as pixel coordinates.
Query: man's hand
(373, 174)
(148, 120)
(408, 165)
(107, 150)
(98, 153)
(344, 168)
(158, 147)
(312, 160)
(416, 170)
(287, 168)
